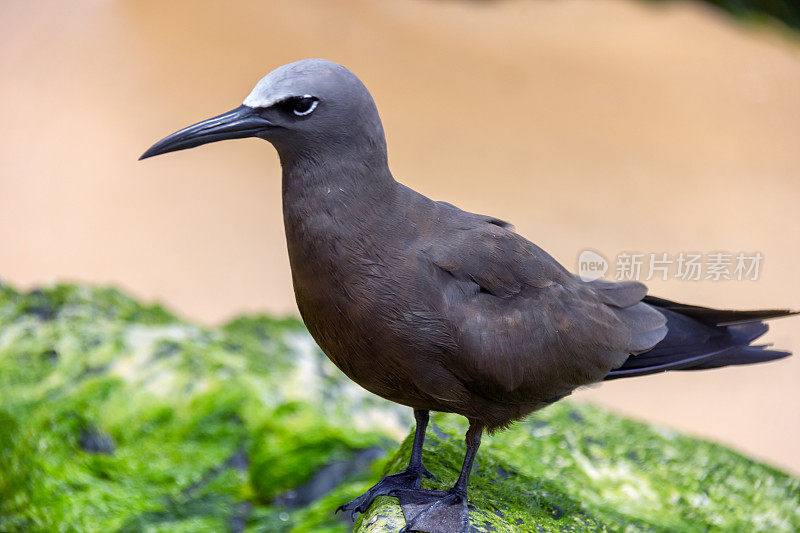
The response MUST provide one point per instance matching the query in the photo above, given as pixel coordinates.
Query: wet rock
(92, 440)
(328, 477)
(582, 477)
(208, 424)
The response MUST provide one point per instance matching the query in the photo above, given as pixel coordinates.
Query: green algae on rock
(575, 467)
(116, 416)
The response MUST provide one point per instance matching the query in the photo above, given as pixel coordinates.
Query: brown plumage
(436, 308)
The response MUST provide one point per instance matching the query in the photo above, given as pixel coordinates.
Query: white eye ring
(309, 110)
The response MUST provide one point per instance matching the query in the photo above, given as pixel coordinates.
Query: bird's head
(304, 109)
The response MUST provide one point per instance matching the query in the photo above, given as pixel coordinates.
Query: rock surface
(578, 468)
(120, 417)
(116, 416)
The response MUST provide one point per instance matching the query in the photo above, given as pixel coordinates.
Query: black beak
(238, 123)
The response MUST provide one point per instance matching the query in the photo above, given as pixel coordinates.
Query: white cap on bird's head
(304, 108)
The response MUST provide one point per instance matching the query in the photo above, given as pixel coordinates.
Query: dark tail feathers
(700, 338)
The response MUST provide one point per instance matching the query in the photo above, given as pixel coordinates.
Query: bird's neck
(330, 199)
(333, 216)
(316, 179)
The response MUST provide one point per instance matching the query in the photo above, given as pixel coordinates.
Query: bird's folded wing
(527, 329)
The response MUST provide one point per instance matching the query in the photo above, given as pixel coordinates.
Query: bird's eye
(304, 105)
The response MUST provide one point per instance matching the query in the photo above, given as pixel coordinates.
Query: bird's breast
(341, 290)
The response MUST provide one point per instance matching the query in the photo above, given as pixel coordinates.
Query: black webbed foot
(405, 480)
(428, 474)
(434, 511)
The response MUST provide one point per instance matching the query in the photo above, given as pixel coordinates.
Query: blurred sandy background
(610, 124)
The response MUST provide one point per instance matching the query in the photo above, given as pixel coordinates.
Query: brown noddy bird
(437, 308)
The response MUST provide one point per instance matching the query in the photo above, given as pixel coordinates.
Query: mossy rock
(578, 468)
(118, 416)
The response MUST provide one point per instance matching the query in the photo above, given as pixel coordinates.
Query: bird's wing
(527, 329)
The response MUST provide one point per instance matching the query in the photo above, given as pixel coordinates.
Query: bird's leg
(407, 479)
(415, 465)
(438, 511)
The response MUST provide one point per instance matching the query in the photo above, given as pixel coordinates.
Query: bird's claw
(433, 511)
(353, 512)
(406, 480)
